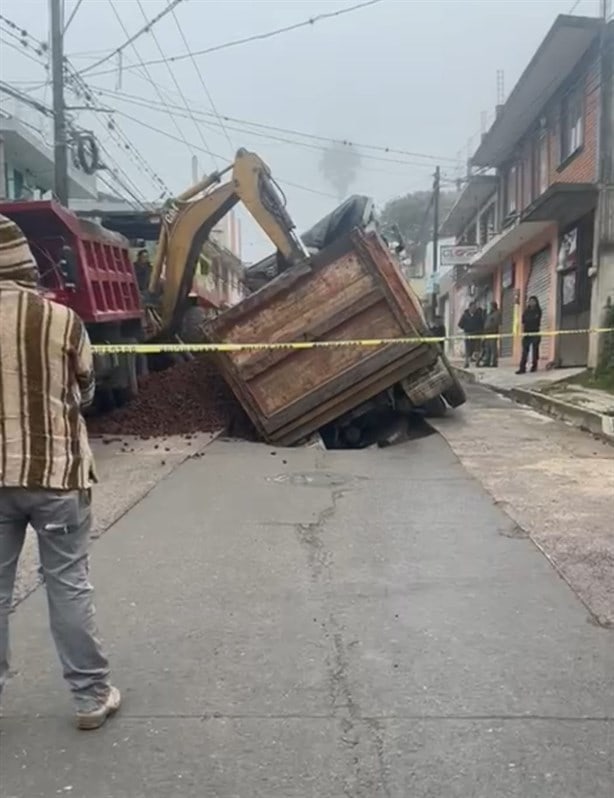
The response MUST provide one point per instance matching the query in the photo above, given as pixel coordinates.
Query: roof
(565, 44)
(477, 190)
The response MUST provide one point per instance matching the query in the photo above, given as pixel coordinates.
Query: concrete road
(555, 481)
(302, 624)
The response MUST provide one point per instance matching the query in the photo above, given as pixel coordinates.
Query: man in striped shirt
(47, 470)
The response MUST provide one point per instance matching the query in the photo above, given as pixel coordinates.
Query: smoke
(339, 165)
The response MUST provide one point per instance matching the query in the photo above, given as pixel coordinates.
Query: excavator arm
(188, 222)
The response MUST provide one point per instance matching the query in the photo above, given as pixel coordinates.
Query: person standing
(142, 270)
(492, 326)
(471, 323)
(47, 470)
(531, 325)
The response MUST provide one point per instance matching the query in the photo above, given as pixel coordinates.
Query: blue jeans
(62, 522)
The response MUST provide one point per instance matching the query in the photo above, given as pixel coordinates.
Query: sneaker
(521, 371)
(95, 718)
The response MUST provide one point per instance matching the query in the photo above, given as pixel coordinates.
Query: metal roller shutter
(539, 285)
(507, 322)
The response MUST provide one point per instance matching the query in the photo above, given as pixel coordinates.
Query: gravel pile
(188, 398)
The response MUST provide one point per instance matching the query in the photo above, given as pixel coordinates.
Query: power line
(258, 36)
(135, 100)
(217, 155)
(202, 80)
(23, 52)
(81, 89)
(177, 86)
(131, 39)
(151, 80)
(72, 15)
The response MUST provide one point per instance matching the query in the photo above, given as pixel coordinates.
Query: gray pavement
(301, 623)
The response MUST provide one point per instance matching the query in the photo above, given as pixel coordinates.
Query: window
(511, 187)
(540, 165)
(572, 124)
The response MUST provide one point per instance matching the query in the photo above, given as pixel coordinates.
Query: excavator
(186, 225)
(88, 267)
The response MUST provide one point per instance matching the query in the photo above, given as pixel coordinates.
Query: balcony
(502, 245)
(562, 203)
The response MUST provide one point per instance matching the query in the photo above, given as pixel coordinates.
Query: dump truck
(351, 290)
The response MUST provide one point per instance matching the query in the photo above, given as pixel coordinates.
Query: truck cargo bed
(351, 290)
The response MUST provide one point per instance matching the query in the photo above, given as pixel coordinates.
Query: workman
(142, 270)
(47, 470)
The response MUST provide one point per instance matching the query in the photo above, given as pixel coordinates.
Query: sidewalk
(548, 392)
(293, 623)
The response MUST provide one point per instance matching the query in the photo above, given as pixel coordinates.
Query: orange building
(529, 202)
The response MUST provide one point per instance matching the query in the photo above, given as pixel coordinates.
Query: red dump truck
(352, 289)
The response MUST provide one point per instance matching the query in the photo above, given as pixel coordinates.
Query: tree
(339, 164)
(409, 214)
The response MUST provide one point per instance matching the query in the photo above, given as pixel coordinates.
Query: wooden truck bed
(351, 290)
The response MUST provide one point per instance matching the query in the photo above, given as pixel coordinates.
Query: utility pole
(434, 286)
(60, 147)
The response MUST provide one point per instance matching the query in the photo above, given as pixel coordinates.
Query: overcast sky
(414, 75)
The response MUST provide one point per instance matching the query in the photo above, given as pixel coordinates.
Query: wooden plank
(367, 369)
(290, 434)
(317, 332)
(304, 373)
(360, 392)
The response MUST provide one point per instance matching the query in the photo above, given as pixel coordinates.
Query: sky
(413, 75)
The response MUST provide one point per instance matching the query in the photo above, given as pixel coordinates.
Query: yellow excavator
(186, 225)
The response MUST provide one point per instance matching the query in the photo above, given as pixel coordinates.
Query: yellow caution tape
(156, 349)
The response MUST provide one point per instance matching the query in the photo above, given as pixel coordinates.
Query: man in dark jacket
(531, 325)
(472, 324)
(492, 326)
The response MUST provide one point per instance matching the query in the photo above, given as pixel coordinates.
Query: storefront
(539, 284)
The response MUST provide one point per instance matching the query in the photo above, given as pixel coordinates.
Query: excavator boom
(188, 221)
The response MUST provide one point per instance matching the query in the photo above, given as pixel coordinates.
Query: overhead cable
(258, 36)
(131, 39)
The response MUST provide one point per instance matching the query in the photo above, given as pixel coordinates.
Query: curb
(580, 417)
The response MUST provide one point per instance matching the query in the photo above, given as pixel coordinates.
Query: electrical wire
(202, 80)
(81, 88)
(178, 110)
(151, 80)
(294, 132)
(243, 128)
(174, 138)
(259, 36)
(131, 39)
(177, 86)
(23, 52)
(72, 15)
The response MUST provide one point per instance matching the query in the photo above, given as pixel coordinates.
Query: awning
(567, 41)
(478, 189)
(562, 203)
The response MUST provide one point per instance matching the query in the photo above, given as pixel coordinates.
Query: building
(26, 156)
(529, 206)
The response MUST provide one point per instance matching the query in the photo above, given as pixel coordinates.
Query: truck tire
(191, 324)
(435, 408)
(455, 395)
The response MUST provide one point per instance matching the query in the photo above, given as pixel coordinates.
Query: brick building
(530, 201)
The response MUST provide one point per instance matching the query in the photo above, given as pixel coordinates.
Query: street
(291, 623)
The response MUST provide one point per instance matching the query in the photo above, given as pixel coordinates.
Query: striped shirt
(46, 376)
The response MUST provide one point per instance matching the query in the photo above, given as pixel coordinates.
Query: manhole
(313, 479)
